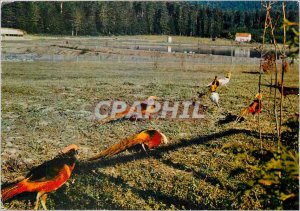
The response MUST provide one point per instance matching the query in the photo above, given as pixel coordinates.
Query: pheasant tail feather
(12, 191)
(118, 147)
(243, 113)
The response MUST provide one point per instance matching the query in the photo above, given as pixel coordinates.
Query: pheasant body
(214, 85)
(45, 178)
(150, 138)
(254, 108)
(214, 97)
(147, 108)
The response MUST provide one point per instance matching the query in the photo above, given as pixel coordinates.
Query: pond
(214, 50)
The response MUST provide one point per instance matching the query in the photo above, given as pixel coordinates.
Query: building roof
(11, 31)
(242, 34)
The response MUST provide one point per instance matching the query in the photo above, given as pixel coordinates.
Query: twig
(269, 24)
(276, 75)
(282, 74)
(260, 68)
(268, 21)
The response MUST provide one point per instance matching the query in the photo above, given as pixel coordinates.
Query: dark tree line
(131, 18)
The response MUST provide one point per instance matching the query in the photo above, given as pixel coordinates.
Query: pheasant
(254, 108)
(149, 138)
(225, 81)
(214, 97)
(147, 108)
(45, 178)
(214, 85)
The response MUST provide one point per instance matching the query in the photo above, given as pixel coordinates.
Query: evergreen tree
(8, 17)
(77, 21)
(150, 17)
(164, 19)
(193, 22)
(34, 18)
(178, 18)
(183, 20)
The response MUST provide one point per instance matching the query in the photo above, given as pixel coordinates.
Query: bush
(276, 183)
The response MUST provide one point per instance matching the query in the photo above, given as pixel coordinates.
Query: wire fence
(156, 57)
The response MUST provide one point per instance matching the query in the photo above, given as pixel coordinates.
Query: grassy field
(24, 44)
(48, 105)
(156, 39)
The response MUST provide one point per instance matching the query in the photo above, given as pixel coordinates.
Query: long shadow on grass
(163, 149)
(83, 166)
(76, 197)
(86, 167)
(146, 194)
(83, 169)
(198, 174)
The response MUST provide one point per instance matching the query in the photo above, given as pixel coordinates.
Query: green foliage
(164, 20)
(292, 37)
(276, 181)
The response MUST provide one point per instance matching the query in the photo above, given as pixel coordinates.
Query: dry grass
(26, 43)
(48, 105)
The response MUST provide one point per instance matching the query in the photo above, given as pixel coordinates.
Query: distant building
(242, 37)
(12, 32)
